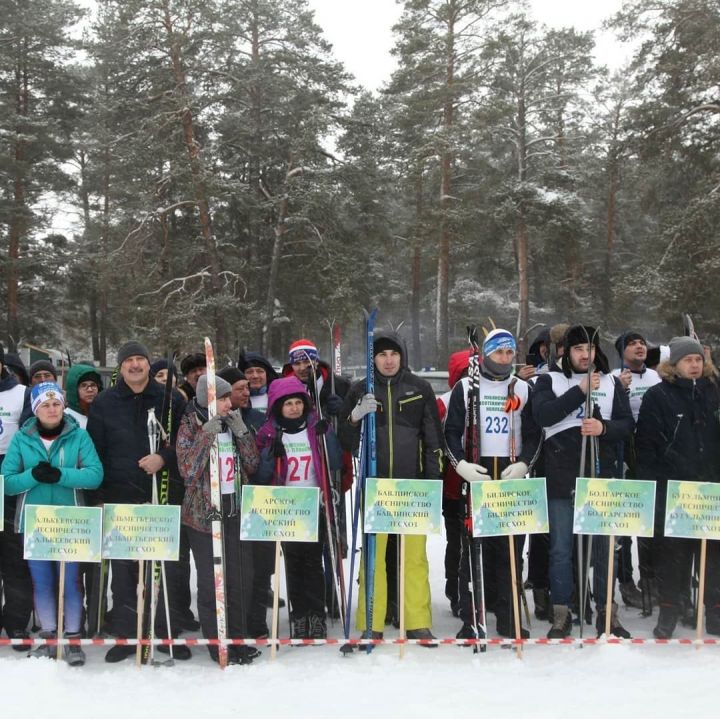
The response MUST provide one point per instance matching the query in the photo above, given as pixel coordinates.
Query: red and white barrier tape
(540, 641)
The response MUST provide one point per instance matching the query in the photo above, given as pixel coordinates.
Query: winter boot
(317, 626)
(712, 620)
(562, 622)
(45, 651)
(631, 595)
(123, 651)
(19, 634)
(667, 619)
(467, 631)
(423, 633)
(616, 629)
(73, 654)
(300, 626)
(541, 598)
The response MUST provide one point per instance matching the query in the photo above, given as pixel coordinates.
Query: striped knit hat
(497, 340)
(301, 350)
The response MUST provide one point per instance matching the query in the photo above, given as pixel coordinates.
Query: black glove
(333, 404)
(322, 427)
(45, 473)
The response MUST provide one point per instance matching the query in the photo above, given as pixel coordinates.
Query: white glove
(517, 470)
(471, 472)
(366, 404)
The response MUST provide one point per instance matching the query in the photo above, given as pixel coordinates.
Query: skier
(558, 407)
(15, 579)
(82, 385)
(637, 378)
(238, 452)
(452, 507)
(409, 446)
(259, 374)
(304, 362)
(495, 461)
(192, 367)
(49, 461)
(291, 456)
(677, 438)
(117, 424)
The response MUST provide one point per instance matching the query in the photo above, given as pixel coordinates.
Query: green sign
(141, 531)
(63, 534)
(288, 514)
(692, 510)
(403, 506)
(509, 506)
(614, 506)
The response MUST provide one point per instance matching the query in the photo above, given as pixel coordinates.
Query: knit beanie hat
(682, 347)
(625, 339)
(42, 366)
(496, 340)
(301, 350)
(201, 391)
(44, 391)
(133, 348)
(381, 344)
(231, 374)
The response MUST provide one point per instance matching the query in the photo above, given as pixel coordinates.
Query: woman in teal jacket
(50, 461)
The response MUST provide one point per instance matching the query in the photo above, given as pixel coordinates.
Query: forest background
(230, 177)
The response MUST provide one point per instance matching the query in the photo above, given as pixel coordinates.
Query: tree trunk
(197, 171)
(18, 220)
(442, 318)
(267, 323)
(416, 275)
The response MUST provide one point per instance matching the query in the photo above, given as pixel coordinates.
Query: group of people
(301, 426)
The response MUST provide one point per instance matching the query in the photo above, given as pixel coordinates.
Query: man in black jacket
(409, 446)
(678, 437)
(117, 424)
(558, 407)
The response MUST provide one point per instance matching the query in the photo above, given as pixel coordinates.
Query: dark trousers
(539, 561)
(15, 582)
(238, 579)
(453, 514)
(497, 579)
(305, 577)
(264, 567)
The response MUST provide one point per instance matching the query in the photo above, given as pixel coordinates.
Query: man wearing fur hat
(558, 407)
(678, 437)
(117, 424)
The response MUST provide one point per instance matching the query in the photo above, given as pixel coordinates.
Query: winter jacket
(270, 434)
(72, 452)
(117, 423)
(409, 436)
(193, 457)
(561, 451)
(457, 419)
(678, 432)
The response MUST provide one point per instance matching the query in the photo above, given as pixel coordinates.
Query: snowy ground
(316, 682)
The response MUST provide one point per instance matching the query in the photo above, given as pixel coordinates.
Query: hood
(666, 370)
(12, 360)
(533, 356)
(246, 359)
(74, 376)
(457, 364)
(399, 341)
(284, 387)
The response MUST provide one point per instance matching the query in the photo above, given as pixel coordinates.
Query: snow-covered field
(450, 681)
